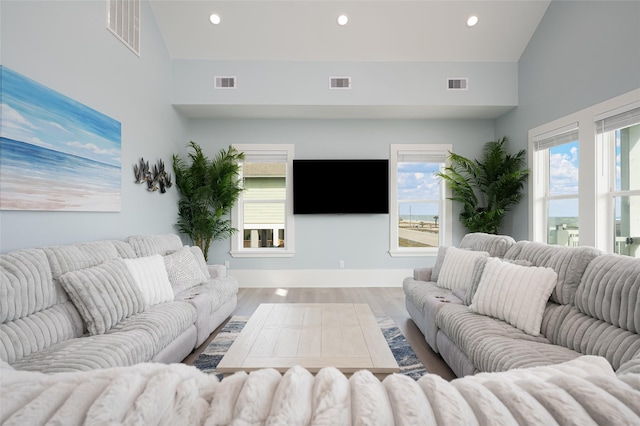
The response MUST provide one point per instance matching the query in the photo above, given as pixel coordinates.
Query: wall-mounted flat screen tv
(340, 186)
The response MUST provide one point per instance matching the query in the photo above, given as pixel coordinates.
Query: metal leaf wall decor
(156, 179)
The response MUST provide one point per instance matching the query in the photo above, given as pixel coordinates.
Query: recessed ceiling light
(214, 18)
(343, 19)
(472, 21)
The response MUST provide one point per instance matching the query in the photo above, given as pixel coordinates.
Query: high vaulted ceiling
(385, 30)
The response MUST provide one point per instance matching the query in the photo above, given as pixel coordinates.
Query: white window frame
(540, 146)
(237, 212)
(445, 212)
(605, 146)
(594, 202)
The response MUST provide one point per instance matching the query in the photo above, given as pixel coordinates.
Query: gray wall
(362, 241)
(583, 52)
(65, 46)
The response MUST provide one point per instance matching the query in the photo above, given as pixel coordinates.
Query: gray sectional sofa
(593, 308)
(109, 303)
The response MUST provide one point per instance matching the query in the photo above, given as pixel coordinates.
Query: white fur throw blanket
(583, 391)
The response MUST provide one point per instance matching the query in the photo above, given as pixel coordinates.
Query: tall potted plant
(208, 190)
(486, 188)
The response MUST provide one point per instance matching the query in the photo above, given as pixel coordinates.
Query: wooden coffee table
(312, 335)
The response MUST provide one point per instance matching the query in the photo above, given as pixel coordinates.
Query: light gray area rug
(406, 358)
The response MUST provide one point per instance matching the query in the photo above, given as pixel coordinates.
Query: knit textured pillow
(460, 268)
(183, 270)
(104, 294)
(515, 294)
(199, 256)
(151, 276)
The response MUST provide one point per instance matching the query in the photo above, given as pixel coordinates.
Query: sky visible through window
(416, 181)
(563, 178)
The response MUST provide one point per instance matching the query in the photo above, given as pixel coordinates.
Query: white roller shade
(435, 156)
(265, 156)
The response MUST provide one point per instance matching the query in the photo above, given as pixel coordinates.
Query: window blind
(618, 121)
(435, 156)
(557, 137)
(266, 156)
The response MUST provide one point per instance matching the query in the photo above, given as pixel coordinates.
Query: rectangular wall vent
(457, 83)
(123, 20)
(225, 82)
(339, 82)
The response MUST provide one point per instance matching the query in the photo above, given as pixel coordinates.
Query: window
(420, 214)
(619, 137)
(608, 198)
(556, 185)
(263, 214)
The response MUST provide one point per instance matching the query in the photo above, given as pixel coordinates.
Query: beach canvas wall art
(56, 154)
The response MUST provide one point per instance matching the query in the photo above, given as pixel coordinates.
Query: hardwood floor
(384, 301)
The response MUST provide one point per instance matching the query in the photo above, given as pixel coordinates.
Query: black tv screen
(340, 186)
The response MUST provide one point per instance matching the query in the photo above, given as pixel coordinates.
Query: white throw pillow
(515, 294)
(151, 276)
(183, 270)
(458, 268)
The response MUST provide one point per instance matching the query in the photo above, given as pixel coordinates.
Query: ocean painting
(55, 153)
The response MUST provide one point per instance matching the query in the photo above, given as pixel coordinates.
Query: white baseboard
(274, 278)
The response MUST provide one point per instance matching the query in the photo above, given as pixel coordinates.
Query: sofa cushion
(610, 291)
(424, 300)
(162, 322)
(92, 352)
(566, 326)
(218, 291)
(495, 245)
(461, 267)
(104, 294)
(183, 270)
(124, 249)
(73, 257)
(568, 262)
(151, 277)
(515, 294)
(147, 245)
(26, 284)
(494, 345)
(24, 336)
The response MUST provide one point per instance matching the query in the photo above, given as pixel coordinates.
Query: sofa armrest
(217, 271)
(422, 274)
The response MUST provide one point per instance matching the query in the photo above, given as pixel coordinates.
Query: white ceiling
(378, 30)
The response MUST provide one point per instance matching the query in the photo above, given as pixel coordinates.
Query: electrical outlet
(341, 264)
(227, 264)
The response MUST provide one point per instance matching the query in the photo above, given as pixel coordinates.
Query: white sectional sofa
(590, 306)
(109, 303)
(71, 359)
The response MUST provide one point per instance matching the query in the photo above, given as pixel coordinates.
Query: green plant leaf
(486, 188)
(208, 190)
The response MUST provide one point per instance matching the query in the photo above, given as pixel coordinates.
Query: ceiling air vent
(339, 82)
(225, 82)
(457, 84)
(123, 20)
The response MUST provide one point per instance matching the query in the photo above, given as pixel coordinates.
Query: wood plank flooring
(384, 301)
